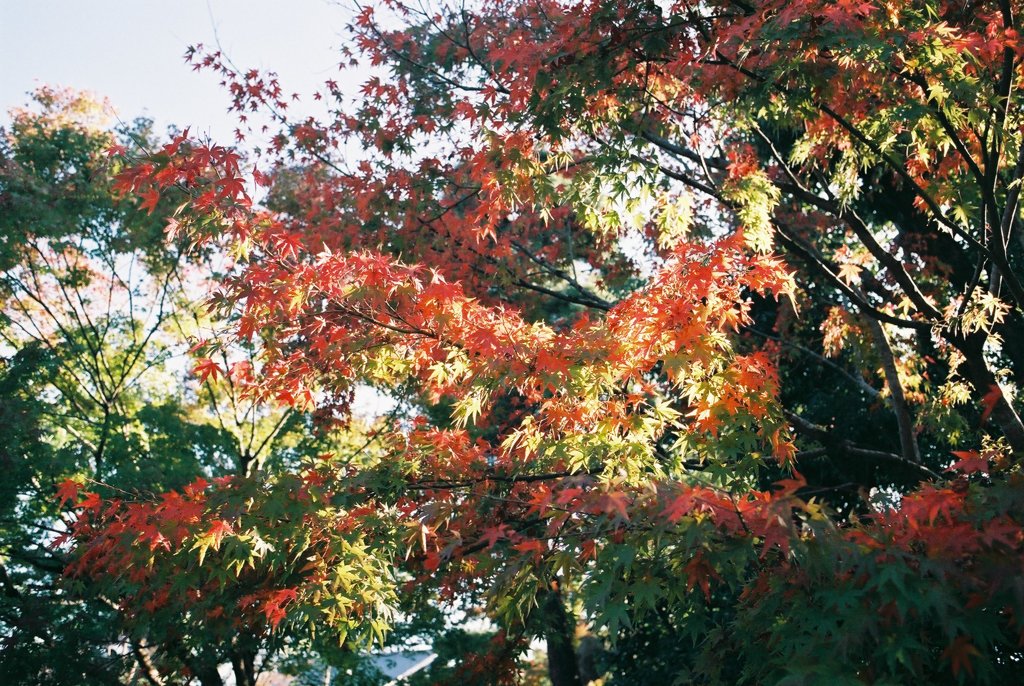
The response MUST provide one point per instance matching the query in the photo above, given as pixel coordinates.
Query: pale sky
(131, 51)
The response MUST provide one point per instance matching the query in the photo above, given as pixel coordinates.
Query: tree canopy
(704, 323)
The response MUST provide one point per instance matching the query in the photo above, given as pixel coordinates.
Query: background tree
(99, 311)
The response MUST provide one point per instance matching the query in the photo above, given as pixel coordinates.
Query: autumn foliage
(712, 312)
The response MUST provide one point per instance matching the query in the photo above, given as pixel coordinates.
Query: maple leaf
(970, 462)
(232, 187)
(540, 500)
(616, 502)
(850, 272)
(240, 372)
(493, 534)
(289, 244)
(959, 654)
(197, 487)
(553, 362)
(205, 368)
(218, 530)
(67, 491)
(775, 534)
(935, 501)
(432, 560)
(274, 606)
(92, 501)
(262, 179)
(788, 487)
(531, 545)
(149, 533)
(698, 573)
(989, 401)
(150, 199)
(680, 506)
(567, 496)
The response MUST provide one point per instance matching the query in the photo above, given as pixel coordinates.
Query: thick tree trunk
(243, 662)
(558, 633)
(202, 666)
(987, 386)
(208, 675)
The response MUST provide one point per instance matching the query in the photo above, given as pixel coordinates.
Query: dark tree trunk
(208, 675)
(243, 662)
(987, 386)
(558, 633)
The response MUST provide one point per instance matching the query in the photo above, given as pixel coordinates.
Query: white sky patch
(635, 246)
(370, 404)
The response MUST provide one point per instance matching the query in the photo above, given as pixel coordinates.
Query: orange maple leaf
(219, 530)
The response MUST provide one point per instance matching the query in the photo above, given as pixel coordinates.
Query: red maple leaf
(92, 501)
(616, 502)
(205, 367)
(959, 654)
(261, 178)
(273, 607)
(679, 507)
(150, 199)
(232, 187)
(493, 534)
(775, 534)
(989, 401)
(196, 487)
(698, 573)
(219, 530)
(970, 461)
(67, 491)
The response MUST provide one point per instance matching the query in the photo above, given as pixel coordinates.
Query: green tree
(100, 309)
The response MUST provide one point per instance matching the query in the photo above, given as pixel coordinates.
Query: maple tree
(706, 316)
